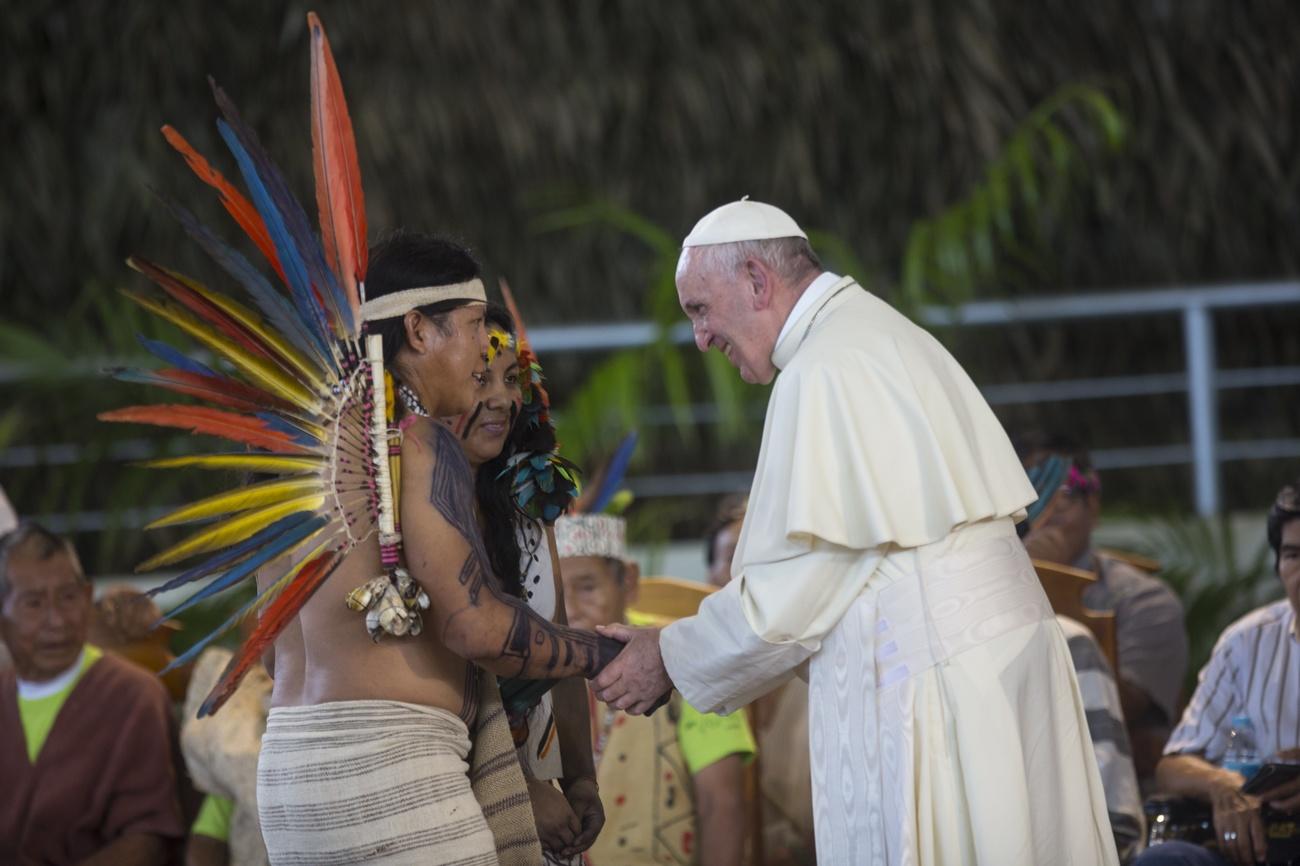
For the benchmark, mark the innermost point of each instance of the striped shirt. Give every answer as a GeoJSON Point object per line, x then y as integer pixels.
{"type": "Point", "coordinates": [1254, 671]}
{"type": "Point", "coordinates": [1109, 739]}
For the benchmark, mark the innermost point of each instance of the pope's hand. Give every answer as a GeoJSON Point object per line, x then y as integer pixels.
{"type": "Point", "coordinates": [636, 679]}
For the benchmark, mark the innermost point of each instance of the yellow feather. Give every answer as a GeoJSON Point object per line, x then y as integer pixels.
{"type": "Point", "coordinates": [265, 374]}
{"type": "Point", "coordinates": [240, 499]}
{"type": "Point", "coordinates": [268, 463]}
{"type": "Point", "coordinates": [231, 531]}
{"type": "Point", "coordinates": [311, 373]}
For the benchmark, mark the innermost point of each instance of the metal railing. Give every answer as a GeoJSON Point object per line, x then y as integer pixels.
{"type": "Point", "coordinates": [1201, 380]}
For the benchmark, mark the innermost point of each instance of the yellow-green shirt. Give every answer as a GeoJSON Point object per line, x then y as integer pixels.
{"type": "Point", "coordinates": [38, 714]}
{"type": "Point", "coordinates": [645, 769]}
{"type": "Point", "coordinates": [213, 819]}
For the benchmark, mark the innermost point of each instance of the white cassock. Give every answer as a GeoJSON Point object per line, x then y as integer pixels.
{"type": "Point", "coordinates": [945, 721]}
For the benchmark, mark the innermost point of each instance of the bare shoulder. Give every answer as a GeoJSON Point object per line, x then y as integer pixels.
{"type": "Point", "coordinates": [418, 442]}
{"type": "Point", "coordinates": [427, 443]}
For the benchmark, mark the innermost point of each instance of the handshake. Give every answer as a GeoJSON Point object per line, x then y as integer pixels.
{"type": "Point", "coordinates": [636, 680]}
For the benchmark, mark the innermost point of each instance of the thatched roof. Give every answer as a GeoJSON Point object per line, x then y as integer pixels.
{"type": "Point", "coordinates": [476, 117]}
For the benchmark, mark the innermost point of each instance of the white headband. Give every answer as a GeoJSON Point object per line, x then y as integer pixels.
{"type": "Point", "coordinates": [400, 303]}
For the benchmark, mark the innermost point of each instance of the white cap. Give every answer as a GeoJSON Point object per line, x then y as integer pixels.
{"type": "Point", "coordinates": [743, 220]}
{"type": "Point", "coordinates": [591, 535]}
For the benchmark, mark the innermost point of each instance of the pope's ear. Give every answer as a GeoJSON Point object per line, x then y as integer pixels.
{"type": "Point", "coordinates": [759, 282]}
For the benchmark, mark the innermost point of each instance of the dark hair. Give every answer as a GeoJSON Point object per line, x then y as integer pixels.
{"type": "Point", "coordinates": [1285, 508]}
{"type": "Point", "coordinates": [1038, 442]}
{"type": "Point", "coordinates": [410, 260]}
{"type": "Point", "coordinates": [730, 509]}
{"type": "Point", "coordinates": [29, 536]}
{"type": "Point", "coordinates": [496, 503]}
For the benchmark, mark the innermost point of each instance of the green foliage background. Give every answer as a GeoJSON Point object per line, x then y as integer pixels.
{"type": "Point", "coordinates": [938, 151]}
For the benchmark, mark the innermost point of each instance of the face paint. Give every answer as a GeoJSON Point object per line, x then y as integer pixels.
{"type": "Point", "coordinates": [460, 424]}
{"type": "Point", "coordinates": [468, 421]}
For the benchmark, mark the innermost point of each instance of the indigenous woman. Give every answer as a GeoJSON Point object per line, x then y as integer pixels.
{"type": "Point", "coordinates": [510, 444]}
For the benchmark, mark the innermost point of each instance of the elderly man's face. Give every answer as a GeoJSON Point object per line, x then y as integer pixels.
{"type": "Point", "coordinates": [1288, 562]}
{"type": "Point", "coordinates": [724, 316]}
{"type": "Point", "coordinates": [597, 590]}
{"type": "Point", "coordinates": [45, 616]}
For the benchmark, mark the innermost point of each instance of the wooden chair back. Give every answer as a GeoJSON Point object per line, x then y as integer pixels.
{"type": "Point", "coordinates": [1064, 585]}
{"type": "Point", "coordinates": [670, 598]}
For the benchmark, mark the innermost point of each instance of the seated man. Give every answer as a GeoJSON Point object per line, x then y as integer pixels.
{"type": "Point", "coordinates": [221, 754]}
{"type": "Point", "coordinates": [672, 783]}
{"type": "Point", "coordinates": [1252, 672]}
{"type": "Point", "coordinates": [1151, 637]}
{"type": "Point", "coordinates": [1109, 739]}
{"type": "Point", "coordinates": [723, 535]}
{"type": "Point", "coordinates": [84, 757]}
{"type": "Point", "coordinates": [782, 717]}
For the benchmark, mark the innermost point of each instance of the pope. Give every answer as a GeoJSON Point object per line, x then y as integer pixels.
{"type": "Point", "coordinates": [879, 558]}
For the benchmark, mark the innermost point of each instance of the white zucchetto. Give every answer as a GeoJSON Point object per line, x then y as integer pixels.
{"type": "Point", "coordinates": [743, 220]}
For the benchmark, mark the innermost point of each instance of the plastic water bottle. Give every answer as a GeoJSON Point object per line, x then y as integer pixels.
{"type": "Point", "coordinates": [1242, 754]}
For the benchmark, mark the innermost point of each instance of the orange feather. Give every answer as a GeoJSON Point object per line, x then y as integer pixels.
{"type": "Point", "coordinates": [214, 422]}
{"type": "Point", "coordinates": [513, 308]}
{"type": "Point", "coordinates": [338, 173]}
{"type": "Point", "coordinates": [273, 620]}
{"type": "Point", "coordinates": [239, 207]}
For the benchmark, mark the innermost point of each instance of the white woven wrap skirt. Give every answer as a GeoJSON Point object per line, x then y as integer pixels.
{"type": "Point", "coordinates": [378, 782]}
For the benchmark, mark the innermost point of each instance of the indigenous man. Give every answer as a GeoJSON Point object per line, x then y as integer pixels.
{"type": "Point", "coordinates": [880, 546]}
{"type": "Point", "coordinates": [364, 756]}
{"type": "Point", "coordinates": [86, 772]}
{"type": "Point", "coordinates": [1151, 637]}
{"type": "Point", "coordinates": [673, 784]}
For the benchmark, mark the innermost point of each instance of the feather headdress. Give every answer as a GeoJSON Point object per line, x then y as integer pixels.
{"type": "Point", "coordinates": [299, 382]}
{"type": "Point", "coordinates": [542, 482]}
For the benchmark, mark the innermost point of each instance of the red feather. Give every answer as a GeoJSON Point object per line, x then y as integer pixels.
{"type": "Point", "coordinates": [178, 287]}
{"type": "Point", "coordinates": [338, 172]}
{"type": "Point", "coordinates": [273, 620]}
{"type": "Point", "coordinates": [513, 308]}
{"type": "Point", "coordinates": [231, 199]}
{"type": "Point", "coordinates": [217, 389]}
{"type": "Point", "coordinates": [214, 422]}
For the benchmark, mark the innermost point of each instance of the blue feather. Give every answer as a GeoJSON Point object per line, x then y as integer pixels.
{"type": "Point", "coordinates": [295, 271]}
{"type": "Point", "coordinates": [270, 301]}
{"type": "Point", "coordinates": [231, 554]}
{"type": "Point", "coordinates": [193, 652]}
{"type": "Point", "coordinates": [295, 220]}
{"type": "Point", "coordinates": [173, 356]}
{"type": "Point", "coordinates": [614, 473]}
{"type": "Point", "coordinates": [284, 425]}
{"type": "Point", "coordinates": [244, 569]}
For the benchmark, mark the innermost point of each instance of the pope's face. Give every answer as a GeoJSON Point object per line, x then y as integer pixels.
{"type": "Point", "coordinates": [724, 317]}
